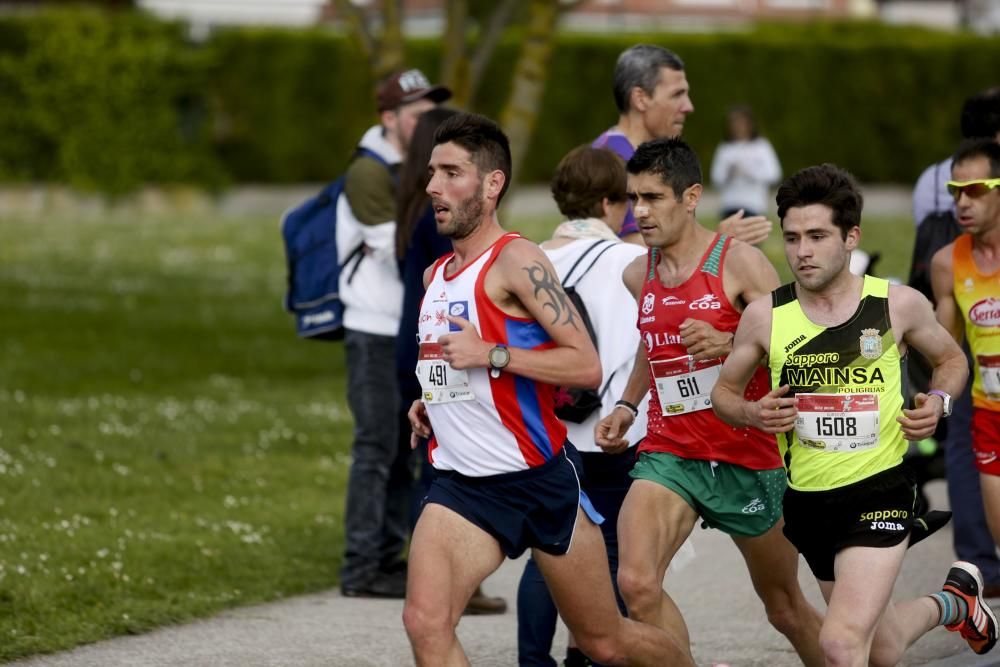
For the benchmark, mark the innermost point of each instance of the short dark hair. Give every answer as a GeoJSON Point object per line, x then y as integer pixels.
{"type": "Point", "coordinates": [671, 159]}
{"type": "Point", "coordinates": [584, 177]}
{"type": "Point", "coordinates": [828, 185]}
{"type": "Point", "coordinates": [640, 66]}
{"type": "Point", "coordinates": [488, 146]}
{"type": "Point", "coordinates": [986, 147]}
{"type": "Point", "coordinates": [981, 114]}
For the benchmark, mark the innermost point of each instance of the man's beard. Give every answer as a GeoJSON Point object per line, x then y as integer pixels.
{"type": "Point", "coordinates": [466, 216]}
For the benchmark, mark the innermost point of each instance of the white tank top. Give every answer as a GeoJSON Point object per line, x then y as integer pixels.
{"type": "Point", "coordinates": [482, 425]}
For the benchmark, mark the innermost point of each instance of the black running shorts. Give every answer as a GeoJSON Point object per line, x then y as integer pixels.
{"type": "Point", "coordinates": [875, 512]}
{"type": "Point", "coordinates": [533, 508]}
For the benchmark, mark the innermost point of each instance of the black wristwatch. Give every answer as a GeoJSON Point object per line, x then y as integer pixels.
{"type": "Point", "coordinates": [499, 357]}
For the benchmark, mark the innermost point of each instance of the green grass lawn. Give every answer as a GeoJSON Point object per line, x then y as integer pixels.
{"type": "Point", "coordinates": [168, 448]}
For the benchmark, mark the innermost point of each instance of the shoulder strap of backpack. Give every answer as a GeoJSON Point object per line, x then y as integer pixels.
{"type": "Point", "coordinates": [365, 152]}
{"type": "Point", "coordinates": [937, 185]}
{"type": "Point", "coordinates": [594, 261]}
{"type": "Point", "coordinates": [579, 259]}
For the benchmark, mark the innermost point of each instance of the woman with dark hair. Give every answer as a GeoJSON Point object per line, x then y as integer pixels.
{"type": "Point", "coordinates": [744, 166]}
{"type": "Point", "coordinates": [417, 246]}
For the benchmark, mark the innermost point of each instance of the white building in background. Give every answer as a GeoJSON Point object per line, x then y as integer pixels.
{"type": "Point", "coordinates": [425, 17]}
{"type": "Point", "coordinates": [209, 13]}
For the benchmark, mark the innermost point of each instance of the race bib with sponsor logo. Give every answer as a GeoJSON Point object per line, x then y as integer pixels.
{"type": "Point", "coordinates": [684, 385]}
{"type": "Point", "coordinates": [837, 422]}
{"type": "Point", "coordinates": [439, 382]}
{"type": "Point", "coordinates": [989, 371]}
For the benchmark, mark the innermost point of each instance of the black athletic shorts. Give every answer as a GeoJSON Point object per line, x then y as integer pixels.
{"type": "Point", "coordinates": [533, 508]}
{"type": "Point", "coordinates": [875, 512]}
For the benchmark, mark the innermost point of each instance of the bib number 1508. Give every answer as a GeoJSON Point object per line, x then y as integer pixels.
{"type": "Point", "coordinates": [836, 426]}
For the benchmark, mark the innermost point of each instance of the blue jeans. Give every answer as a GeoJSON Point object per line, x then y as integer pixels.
{"type": "Point", "coordinates": [972, 539]}
{"type": "Point", "coordinates": [376, 518]}
{"type": "Point", "coordinates": [606, 480]}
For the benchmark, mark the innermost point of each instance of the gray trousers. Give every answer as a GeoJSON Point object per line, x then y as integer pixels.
{"type": "Point", "coordinates": [376, 522]}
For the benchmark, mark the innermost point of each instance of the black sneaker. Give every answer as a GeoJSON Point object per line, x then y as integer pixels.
{"type": "Point", "coordinates": [380, 586]}
{"type": "Point", "coordinates": [979, 627]}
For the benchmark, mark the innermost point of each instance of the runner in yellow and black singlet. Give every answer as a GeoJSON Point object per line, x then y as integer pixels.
{"type": "Point", "coordinates": [848, 380]}
{"type": "Point", "coordinates": [834, 343]}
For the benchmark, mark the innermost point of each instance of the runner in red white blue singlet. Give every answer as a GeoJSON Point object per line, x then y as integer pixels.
{"type": "Point", "coordinates": [497, 334]}
{"type": "Point", "coordinates": [483, 425]}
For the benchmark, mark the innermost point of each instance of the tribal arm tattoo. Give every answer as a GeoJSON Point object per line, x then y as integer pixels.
{"type": "Point", "coordinates": [552, 295]}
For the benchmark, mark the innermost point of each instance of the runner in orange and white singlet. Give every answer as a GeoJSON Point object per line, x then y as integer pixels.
{"type": "Point", "coordinates": [966, 281]}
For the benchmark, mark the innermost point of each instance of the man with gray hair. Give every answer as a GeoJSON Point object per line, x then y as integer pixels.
{"type": "Point", "coordinates": [653, 99]}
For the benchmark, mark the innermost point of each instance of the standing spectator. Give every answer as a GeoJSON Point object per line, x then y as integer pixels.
{"type": "Point", "coordinates": [418, 244]}
{"type": "Point", "coordinates": [378, 488]}
{"type": "Point", "coordinates": [653, 99]}
{"type": "Point", "coordinates": [980, 118]}
{"type": "Point", "coordinates": [589, 188]}
{"type": "Point", "coordinates": [744, 166]}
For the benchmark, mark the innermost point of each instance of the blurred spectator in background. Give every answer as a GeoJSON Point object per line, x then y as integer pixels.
{"type": "Point", "coordinates": [418, 245]}
{"type": "Point", "coordinates": [744, 166]}
{"type": "Point", "coordinates": [376, 516]}
{"type": "Point", "coordinates": [653, 99]}
{"type": "Point", "coordinates": [980, 118]}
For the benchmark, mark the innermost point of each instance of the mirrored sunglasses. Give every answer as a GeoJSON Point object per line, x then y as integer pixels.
{"type": "Point", "coordinates": [973, 189]}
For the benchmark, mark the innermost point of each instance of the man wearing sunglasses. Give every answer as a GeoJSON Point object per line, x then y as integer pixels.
{"type": "Point", "coordinates": [934, 213]}
{"type": "Point", "coordinates": [966, 280]}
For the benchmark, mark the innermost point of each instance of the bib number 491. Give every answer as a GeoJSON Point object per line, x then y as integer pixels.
{"type": "Point", "coordinates": [438, 376]}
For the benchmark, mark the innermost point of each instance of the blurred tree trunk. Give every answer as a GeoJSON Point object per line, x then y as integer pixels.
{"type": "Point", "coordinates": [520, 114]}
{"type": "Point", "coordinates": [461, 70]}
{"type": "Point", "coordinates": [384, 51]}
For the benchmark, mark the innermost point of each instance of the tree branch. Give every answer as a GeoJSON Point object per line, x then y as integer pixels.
{"type": "Point", "coordinates": [454, 65]}
{"type": "Point", "coordinates": [355, 20]}
{"type": "Point", "coordinates": [391, 52]}
{"type": "Point", "coordinates": [490, 36]}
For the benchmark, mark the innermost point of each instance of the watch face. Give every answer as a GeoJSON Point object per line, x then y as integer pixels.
{"type": "Point", "coordinates": [499, 357]}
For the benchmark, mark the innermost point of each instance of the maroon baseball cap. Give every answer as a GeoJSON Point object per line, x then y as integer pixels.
{"type": "Point", "coordinates": [409, 86]}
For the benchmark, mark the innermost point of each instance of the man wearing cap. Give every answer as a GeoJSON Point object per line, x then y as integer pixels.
{"type": "Point", "coordinates": [378, 488]}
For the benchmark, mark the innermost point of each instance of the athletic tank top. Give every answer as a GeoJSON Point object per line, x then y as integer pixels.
{"type": "Point", "coordinates": [681, 420]}
{"type": "Point", "coordinates": [978, 297]}
{"type": "Point", "coordinates": [483, 425]}
{"type": "Point", "coordinates": [848, 381]}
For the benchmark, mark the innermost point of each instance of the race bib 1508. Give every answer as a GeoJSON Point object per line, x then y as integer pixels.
{"type": "Point", "coordinates": [837, 422]}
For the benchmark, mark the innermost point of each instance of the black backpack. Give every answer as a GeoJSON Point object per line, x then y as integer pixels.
{"type": "Point", "coordinates": [572, 403]}
{"type": "Point", "coordinates": [936, 231]}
